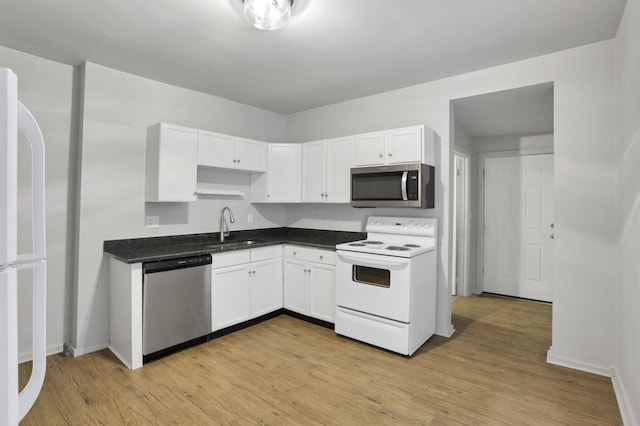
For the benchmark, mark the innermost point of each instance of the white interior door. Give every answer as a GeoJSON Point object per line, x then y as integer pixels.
{"type": "Point", "coordinates": [518, 226]}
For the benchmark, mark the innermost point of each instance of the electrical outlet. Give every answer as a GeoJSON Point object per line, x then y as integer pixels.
{"type": "Point", "coordinates": [153, 221]}
{"type": "Point", "coordinates": [249, 218]}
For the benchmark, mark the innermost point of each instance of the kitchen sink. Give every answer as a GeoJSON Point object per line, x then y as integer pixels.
{"type": "Point", "coordinates": [233, 244]}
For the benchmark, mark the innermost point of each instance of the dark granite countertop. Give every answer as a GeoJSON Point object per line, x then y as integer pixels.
{"type": "Point", "coordinates": [161, 248]}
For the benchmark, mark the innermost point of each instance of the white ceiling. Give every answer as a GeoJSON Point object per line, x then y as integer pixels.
{"type": "Point", "coordinates": [333, 50]}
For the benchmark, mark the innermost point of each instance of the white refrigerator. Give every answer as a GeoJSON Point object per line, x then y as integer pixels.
{"type": "Point", "coordinates": [14, 118]}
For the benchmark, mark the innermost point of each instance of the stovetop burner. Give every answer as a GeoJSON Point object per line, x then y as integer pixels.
{"type": "Point", "coordinates": [395, 237]}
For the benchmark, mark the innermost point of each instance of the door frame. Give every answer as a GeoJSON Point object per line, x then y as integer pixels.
{"type": "Point", "coordinates": [461, 288]}
{"type": "Point", "coordinates": [481, 157]}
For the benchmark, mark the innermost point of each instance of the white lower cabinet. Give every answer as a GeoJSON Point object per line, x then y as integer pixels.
{"type": "Point", "coordinates": [322, 291]}
{"type": "Point", "coordinates": [245, 284]}
{"type": "Point", "coordinates": [295, 286]}
{"type": "Point", "coordinates": [230, 295]}
{"type": "Point", "coordinates": [309, 282]}
{"type": "Point", "coordinates": [266, 286]}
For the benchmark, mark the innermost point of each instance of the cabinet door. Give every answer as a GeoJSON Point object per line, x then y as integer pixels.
{"type": "Point", "coordinates": [369, 149]}
{"type": "Point", "coordinates": [283, 173]}
{"type": "Point", "coordinates": [216, 150]}
{"type": "Point", "coordinates": [295, 285]}
{"type": "Point", "coordinates": [322, 291]}
{"type": "Point", "coordinates": [266, 286]}
{"type": "Point", "coordinates": [338, 170]}
{"type": "Point", "coordinates": [313, 172]}
{"type": "Point", "coordinates": [404, 145]}
{"type": "Point", "coordinates": [230, 296]}
{"type": "Point", "coordinates": [251, 155]}
{"type": "Point", "coordinates": [171, 163]}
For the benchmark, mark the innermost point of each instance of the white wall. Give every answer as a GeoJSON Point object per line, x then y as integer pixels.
{"type": "Point", "coordinates": [45, 87]}
{"type": "Point", "coordinates": [583, 315]}
{"type": "Point", "coordinates": [627, 374]}
{"type": "Point", "coordinates": [117, 109]}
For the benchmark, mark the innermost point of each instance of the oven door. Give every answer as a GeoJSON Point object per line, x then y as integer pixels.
{"type": "Point", "coordinates": [374, 284]}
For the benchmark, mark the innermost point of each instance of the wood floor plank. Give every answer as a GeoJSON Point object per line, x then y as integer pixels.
{"type": "Point", "coordinates": [289, 372]}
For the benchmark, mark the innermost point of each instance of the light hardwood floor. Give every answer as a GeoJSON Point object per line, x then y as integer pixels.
{"type": "Point", "coordinates": [286, 371]}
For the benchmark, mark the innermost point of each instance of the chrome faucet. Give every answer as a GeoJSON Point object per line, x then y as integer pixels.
{"type": "Point", "coordinates": [224, 227]}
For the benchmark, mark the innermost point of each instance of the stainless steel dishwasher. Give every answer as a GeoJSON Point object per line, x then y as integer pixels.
{"type": "Point", "coordinates": [176, 304]}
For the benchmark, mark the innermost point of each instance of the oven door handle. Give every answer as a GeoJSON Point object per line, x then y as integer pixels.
{"type": "Point", "coordinates": [373, 261]}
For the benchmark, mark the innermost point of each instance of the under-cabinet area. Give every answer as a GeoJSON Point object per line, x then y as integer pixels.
{"type": "Point", "coordinates": [247, 284]}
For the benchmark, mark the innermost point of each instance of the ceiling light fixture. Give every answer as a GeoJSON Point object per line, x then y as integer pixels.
{"type": "Point", "coordinates": [267, 14]}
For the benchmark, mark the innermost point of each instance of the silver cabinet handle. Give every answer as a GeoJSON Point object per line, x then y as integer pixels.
{"type": "Point", "coordinates": [321, 257]}
{"type": "Point", "coordinates": [390, 155]}
{"type": "Point", "coordinates": [553, 236]}
{"type": "Point", "coordinates": [380, 155]}
{"type": "Point", "coordinates": [552, 225]}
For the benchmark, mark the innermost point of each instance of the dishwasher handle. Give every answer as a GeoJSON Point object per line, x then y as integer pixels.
{"type": "Point", "coordinates": [172, 264]}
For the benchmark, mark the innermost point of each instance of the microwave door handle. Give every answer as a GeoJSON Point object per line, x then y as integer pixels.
{"type": "Point", "coordinates": [404, 185]}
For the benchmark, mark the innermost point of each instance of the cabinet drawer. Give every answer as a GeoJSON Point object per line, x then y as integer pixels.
{"type": "Point", "coordinates": [264, 253]}
{"type": "Point", "coordinates": [229, 259]}
{"type": "Point", "coordinates": [296, 252]}
{"type": "Point", "coordinates": [322, 256]}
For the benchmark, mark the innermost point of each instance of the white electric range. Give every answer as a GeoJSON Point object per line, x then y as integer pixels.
{"type": "Point", "coordinates": [386, 284]}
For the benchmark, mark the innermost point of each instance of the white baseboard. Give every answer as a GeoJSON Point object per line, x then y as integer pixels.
{"type": "Point", "coordinates": [28, 356]}
{"type": "Point", "coordinates": [576, 365]}
{"type": "Point", "coordinates": [629, 418]}
{"type": "Point", "coordinates": [448, 332]}
{"type": "Point", "coordinates": [79, 351]}
{"type": "Point", "coordinates": [122, 359]}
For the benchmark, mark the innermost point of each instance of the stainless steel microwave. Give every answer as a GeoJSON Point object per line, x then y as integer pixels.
{"type": "Point", "coordinates": [402, 185]}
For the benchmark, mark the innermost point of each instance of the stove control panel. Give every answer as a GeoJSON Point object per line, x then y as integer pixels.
{"type": "Point", "coordinates": [402, 225]}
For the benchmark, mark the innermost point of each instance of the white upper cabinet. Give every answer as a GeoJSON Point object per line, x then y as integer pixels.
{"type": "Point", "coordinates": [216, 150]}
{"type": "Point", "coordinates": [413, 144]}
{"type": "Point", "coordinates": [314, 170]}
{"type": "Point", "coordinates": [404, 145]}
{"type": "Point", "coordinates": [229, 152]}
{"type": "Point", "coordinates": [369, 149]}
{"type": "Point", "coordinates": [251, 155]}
{"type": "Point", "coordinates": [171, 163]}
{"type": "Point", "coordinates": [326, 169]}
{"type": "Point", "coordinates": [339, 161]}
{"type": "Point", "coordinates": [281, 182]}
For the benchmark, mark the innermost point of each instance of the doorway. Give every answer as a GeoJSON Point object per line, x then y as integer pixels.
{"type": "Point", "coordinates": [512, 122]}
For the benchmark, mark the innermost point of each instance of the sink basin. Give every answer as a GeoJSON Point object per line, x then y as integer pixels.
{"type": "Point", "coordinates": [233, 244]}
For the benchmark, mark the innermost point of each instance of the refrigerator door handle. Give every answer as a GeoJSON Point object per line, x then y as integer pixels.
{"type": "Point", "coordinates": [29, 127]}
